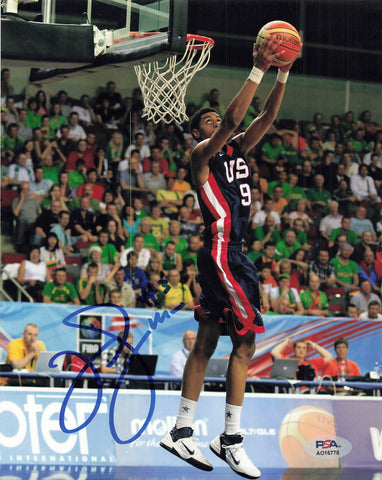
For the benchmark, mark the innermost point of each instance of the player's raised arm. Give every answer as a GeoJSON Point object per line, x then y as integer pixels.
{"type": "Point", "coordinates": [261, 124]}
{"type": "Point", "coordinates": [212, 132]}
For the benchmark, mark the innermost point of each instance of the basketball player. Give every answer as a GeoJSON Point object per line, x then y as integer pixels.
{"type": "Point", "coordinates": [228, 279]}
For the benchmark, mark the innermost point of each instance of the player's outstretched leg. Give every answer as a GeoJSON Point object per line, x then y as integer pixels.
{"type": "Point", "coordinates": [181, 443]}
{"type": "Point", "coordinates": [230, 449]}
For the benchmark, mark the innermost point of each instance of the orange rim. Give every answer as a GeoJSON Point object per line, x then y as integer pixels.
{"type": "Point", "coordinates": [200, 41]}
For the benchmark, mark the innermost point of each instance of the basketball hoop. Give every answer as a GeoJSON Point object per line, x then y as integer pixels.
{"type": "Point", "coordinates": [164, 84]}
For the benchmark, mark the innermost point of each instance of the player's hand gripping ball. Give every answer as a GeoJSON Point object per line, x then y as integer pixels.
{"type": "Point", "coordinates": [290, 40]}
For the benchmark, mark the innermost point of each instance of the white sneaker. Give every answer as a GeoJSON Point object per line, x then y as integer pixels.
{"type": "Point", "coordinates": [230, 449]}
{"type": "Point", "coordinates": [181, 443]}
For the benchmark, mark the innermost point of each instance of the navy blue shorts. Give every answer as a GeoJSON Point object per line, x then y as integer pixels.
{"type": "Point", "coordinates": [229, 280]}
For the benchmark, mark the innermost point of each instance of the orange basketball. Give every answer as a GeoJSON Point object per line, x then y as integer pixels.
{"type": "Point", "coordinates": [290, 40]}
{"type": "Point", "coordinates": [298, 427]}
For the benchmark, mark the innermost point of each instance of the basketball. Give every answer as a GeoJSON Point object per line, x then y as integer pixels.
{"type": "Point", "coordinates": [298, 427]}
{"type": "Point", "coordinates": [290, 40]}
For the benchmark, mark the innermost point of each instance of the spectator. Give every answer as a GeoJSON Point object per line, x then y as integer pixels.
{"type": "Point", "coordinates": [114, 151]}
{"type": "Point", "coordinates": [104, 271]}
{"type": "Point", "coordinates": [372, 312]}
{"type": "Point", "coordinates": [360, 223]}
{"type": "Point", "coordinates": [345, 270]}
{"type": "Point", "coordinates": [363, 186]}
{"type": "Point", "coordinates": [174, 236]}
{"type": "Point", "coordinates": [296, 193]}
{"type": "Point", "coordinates": [45, 221]}
{"type": "Point", "coordinates": [26, 210]}
{"type": "Point", "coordinates": [115, 238]}
{"type": "Point", "coordinates": [301, 237]}
{"type": "Point", "coordinates": [343, 195]}
{"type": "Point", "coordinates": [24, 132]}
{"type": "Point", "coordinates": [279, 203]}
{"type": "Point", "coordinates": [51, 253]}
{"type": "Point", "coordinates": [341, 367]}
{"type": "Point", "coordinates": [300, 350]}
{"type": "Point", "coordinates": [188, 276]}
{"type": "Point", "coordinates": [300, 214]}
{"type": "Point", "coordinates": [306, 176]}
{"type": "Point", "coordinates": [271, 150]}
{"type": "Point", "coordinates": [170, 259]}
{"type": "Point", "coordinates": [345, 229]}
{"type": "Point", "coordinates": [149, 241]}
{"type": "Point", "coordinates": [111, 95]}
{"type": "Point", "coordinates": [40, 187]}
{"type": "Point", "coordinates": [362, 298]}
{"type": "Point", "coordinates": [177, 294]}
{"type": "Point", "coordinates": [56, 119]}
{"type": "Point", "coordinates": [156, 156]}
{"type": "Point", "coordinates": [63, 232]}
{"type": "Point", "coordinates": [366, 243]}
{"type": "Point", "coordinates": [130, 223]}
{"type": "Point", "coordinates": [212, 101]}
{"type": "Point", "coordinates": [11, 143]}
{"type": "Point", "coordinates": [188, 228]}
{"type": "Point", "coordinates": [168, 199]}
{"type": "Point", "coordinates": [18, 172]}
{"type": "Point", "coordinates": [86, 115]}
{"type": "Point", "coordinates": [90, 290]}
{"type": "Point", "coordinates": [286, 247]}
{"type": "Point", "coordinates": [64, 143]}
{"type": "Point", "coordinates": [318, 196]}
{"type": "Point", "coordinates": [76, 132]}
{"type": "Point", "coordinates": [109, 252]}
{"type": "Point", "coordinates": [371, 269]}
{"type": "Point", "coordinates": [139, 144]}
{"type": "Point", "coordinates": [178, 360]}
{"type": "Point", "coordinates": [92, 179]}
{"type": "Point", "coordinates": [111, 355]}
{"type": "Point", "coordinates": [375, 172]}
{"type": "Point", "coordinates": [325, 270]}
{"type": "Point", "coordinates": [33, 274]}
{"type": "Point", "coordinates": [154, 180]}
{"type": "Point", "coordinates": [23, 352]}
{"type": "Point", "coordinates": [116, 283]}
{"type": "Point", "coordinates": [315, 301]}
{"type": "Point", "coordinates": [159, 225]}
{"type": "Point", "coordinates": [331, 221]}
{"type": "Point", "coordinates": [77, 177]}
{"type": "Point", "coordinates": [191, 252]}
{"type": "Point", "coordinates": [268, 257]}
{"type": "Point", "coordinates": [285, 291]}
{"type": "Point", "coordinates": [82, 222]}
{"type": "Point", "coordinates": [80, 152]}
{"type": "Point", "coordinates": [129, 175]}
{"type": "Point", "coordinates": [138, 248]}
{"type": "Point", "coordinates": [134, 275]}
{"type": "Point", "coordinates": [181, 185]}
{"type": "Point", "coordinates": [59, 290]}
{"type": "Point", "coordinates": [352, 311]}
{"type": "Point", "coordinates": [259, 218]}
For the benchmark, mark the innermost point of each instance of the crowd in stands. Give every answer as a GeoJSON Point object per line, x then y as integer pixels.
{"type": "Point", "coordinates": [97, 182]}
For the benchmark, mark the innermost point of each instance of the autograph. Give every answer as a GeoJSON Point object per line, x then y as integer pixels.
{"type": "Point", "coordinates": [150, 300]}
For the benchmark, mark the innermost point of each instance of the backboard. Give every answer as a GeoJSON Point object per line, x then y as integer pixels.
{"type": "Point", "coordinates": [66, 38]}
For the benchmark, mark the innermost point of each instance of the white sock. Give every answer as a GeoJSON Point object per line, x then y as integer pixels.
{"type": "Point", "coordinates": [232, 419]}
{"type": "Point", "coordinates": [186, 413]}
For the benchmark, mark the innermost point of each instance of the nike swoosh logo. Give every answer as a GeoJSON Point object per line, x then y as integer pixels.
{"type": "Point", "coordinates": [191, 452]}
{"type": "Point", "coordinates": [237, 462]}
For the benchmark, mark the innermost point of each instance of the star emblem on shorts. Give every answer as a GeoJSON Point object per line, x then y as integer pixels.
{"type": "Point", "coordinates": [228, 414]}
{"type": "Point", "coordinates": [186, 409]}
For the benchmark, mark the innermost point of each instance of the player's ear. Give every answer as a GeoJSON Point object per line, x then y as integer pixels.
{"type": "Point", "coordinates": [195, 133]}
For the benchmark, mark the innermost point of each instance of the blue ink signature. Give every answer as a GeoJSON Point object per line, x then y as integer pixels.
{"type": "Point", "coordinates": [88, 363]}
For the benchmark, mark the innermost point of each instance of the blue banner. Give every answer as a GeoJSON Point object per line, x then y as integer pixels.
{"type": "Point", "coordinates": [161, 332]}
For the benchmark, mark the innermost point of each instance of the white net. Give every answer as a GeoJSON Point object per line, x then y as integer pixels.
{"type": "Point", "coordinates": [164, 84]}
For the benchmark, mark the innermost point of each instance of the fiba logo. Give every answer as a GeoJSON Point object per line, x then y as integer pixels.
{"type": "Point", "coordinates": [303, 425]}
{"type": "Point", "coordinates": [93, 326]}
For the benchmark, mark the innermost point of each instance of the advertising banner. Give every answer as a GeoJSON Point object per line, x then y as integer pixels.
{"type": "Point", "coordinates": [160, 332]}
{"type": "Point", "coordinates": [110, 428]}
